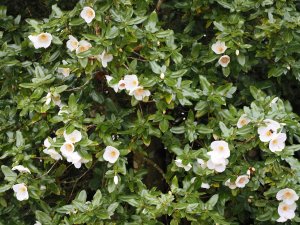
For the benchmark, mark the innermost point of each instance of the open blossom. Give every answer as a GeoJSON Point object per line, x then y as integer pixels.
{"type": "Point", "coordinates": [140, 93]}
{"type": "Point", "coordinates": [114, 86]}
{"type": "Point", "coordinates": [243, 121]}
{"type": "Point", "coordinates": [67, 149]}
{"type": "Point", "coordinates": [88, 14]}
{"type": "Point", "coordinates": [205, 185]}
{"type": "Point", "coordinates": [230, 184]}
{"type": "Point", "coordinates": [131, 82]}
{"type": "Point", "coordinates": [202, 163]}
{"type": "Point", "coordinates": [21, 169]}
{"type": "Point", "coordinates": [105, 58]}
{"type": "Point", "coordinates": [73, 137]}
{"type": "Point", "coordinates": [21, 191]}
{"type": "Point", "coordinates": [268, 130]}
{"type": "Point", "coordinates": [111, 154]}
{"type": "Point", "coordinates": [224, 60]}
{"type": "Point", "coordinates": [287, 195]}
{"type": "Point", "coordinates": [121, 85]}
{"type": "Point", "coordinates": [83, 46]}
{"type": "Point", "coordinates": [220, 151]}
{"type": "Point", "coordinates": [286, 211]}
{"type": "Point", "coordinates": [53, 154]}
{"type": "Point", "coordinates": [178, 162]}
{"type": "Point", "coordinates": [72, 43]}
{"type": "Point", "coordinates": [277, 143]}
{"type": "Point", "coordinates": [76, 159]}
{"type": "Point", "coordinates": [218, 167]}
{"type": "Point", "coordinates": [42, 40]}
{"type": "Point", "coordinates": [219, 47]}
{"type": "Point", "coordinates": [241, 181]}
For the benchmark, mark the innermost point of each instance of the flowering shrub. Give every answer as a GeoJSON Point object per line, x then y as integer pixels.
{"type": "Point", "coordinates": [151, 112]}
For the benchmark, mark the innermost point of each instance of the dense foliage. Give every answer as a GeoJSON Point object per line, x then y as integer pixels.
{"type": "Point", "coordinates": [150, 112]}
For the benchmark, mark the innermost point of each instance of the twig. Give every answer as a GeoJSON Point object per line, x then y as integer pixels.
{"type": "Point", "coordinates": [158, 5]}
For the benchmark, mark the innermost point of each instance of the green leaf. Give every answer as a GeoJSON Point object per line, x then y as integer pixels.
{"type": "Point", "coordinates": [43, 217]}
{"type": "Point", "coordinates": [212, 202]}
{"type": "Point", "coordinates": [164, 125]}
{"type": "Point", "coordinates": [8, 173]}
{"type": "Point", "coordinates": [19, 139]}
{"type": "Point", "coordinates": [241, 59]}
{"type": "Point", "coordinates": [97, 199]}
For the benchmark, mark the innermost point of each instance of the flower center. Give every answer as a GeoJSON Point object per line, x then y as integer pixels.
{"type": "Point", "coordinates": [134, 82]}
{"type": "Point", "coordinates": [23, 189]}
{"type": "Point", "coordinates": [43, 37]}
{"type": "Point", "coordinates": [69, 147]}
{"type": "Point", "coordinates": [139, 91]}
{"type": "Point", "coordinates": [287, 194]}
{"type": "Point", "coordinates": [220, 49]}
{"type": "Point", "coordinates": [275, 142]}
{"type": "Point", "coordinates": [74, 44]}
{"type": "Point", "coordinates": [113, 154]}
{"type": "Point", "coordinates": [242, 180]}
{"type": "Point", "coordinates": [285, 208]}
{"type": "Point", "coordinates": [89, 13]}
{"type": "Point", "coordinates": [243, 122]}
{"type": "Point", "coordinates": [269, 132]}
{"type": "Point", "coordinates": [221, 148]}
{"type": "Point", "coordinates": [224, 60]}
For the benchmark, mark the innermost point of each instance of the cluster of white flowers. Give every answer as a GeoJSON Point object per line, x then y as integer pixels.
{"type": "Point", "coordinates": [269, 133]}
{"type": "Point", "coordinates": [130, 83]}
{"type": "Point", "coordinates": [218, 156]}
{"type": "Point", "coordinates": [219, 48]}
{"type": "Point", "coordinates": [287, 207]}
{"type": "Point", "coordinates": [68, 148]}
{"type": "Point", "coordinates": [240, 182]}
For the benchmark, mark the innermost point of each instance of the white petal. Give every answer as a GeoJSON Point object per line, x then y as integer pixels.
{"type": "Point", "coordinates": [88, 14]}
{"type": "Point", "coordinates": [116, 180]}
{"type": "Point", "coordinates": [73, 137]}
{"type": "Point", "coordinates": [224, 60]}
{"type": "Point", "coordinates": [111, 154]}
{"type": "Point", "coordinates": [67, 149]}
{"type": "Point", "coordinates": [219, 47]}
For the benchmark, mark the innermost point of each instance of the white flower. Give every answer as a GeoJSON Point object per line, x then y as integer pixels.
{"type": "Point", "coordinates": [286, 211]}
{"type": "Point", "coordinates": [21, 191]}
{"type": "Point", "coordinates": [162, 76]}
{"type": "Point", "coordinates": [121, 85]}
{"type": "Point", "coordinates": [281, 220]}
{"type": "Point", "coordinates": [114, 86]}
{"type": "Point", "coordinates": [220, 151]}
{"type": "Point", "coordinates": [111, 154]}
{"type": "Point", "coordinates": [230, 184]}
{"type": "Point", "coordinates": [274, 100]}
{"type": "Point", "coordinates": [47, 143]}
{"type": "Point", "coordinates": [178, 162]}
{"type": "Point", "coordinates": [237, 52]}
{"type": "Point", "coordinates": [37, 223]}
{"type": "Point", "coordinates": [21, 169]}
{"type": "Point", "coordinates": [88, 14]}
{"type": "Point", "coordinates": [268, 131]}
{"type": "Point", "coordinates": [205, 185]}
{"type": "Point", "coordinates": [243, 121]}
{"type": "Point", "coordinates": [53, 154]}
{"type": "Point", "coordinates": [104, 58]}
{"type": "Point", "coordinates": [56, 99]}
{"type": "Point", "coordinates": [67, 149]}
{"type": "Point", "coordinates": [287, 195]}
{"type": "Point", "coordinates": [277, 143]}
{"type": "Point", "coordinates": [64, 71]}
{"type": "Point", "coordinates": [83, 46]}
{"type": "Point", "coordinates": [202, 163]}
{"type": "Point", "coordinates": [224, 60]}
{"type": "Point", "coordinates": [116, 180]}
{"type": "Point", "coordinates": [48, 98]}
{"type": "Point", "coordinates": [218, 167]}
{"type": "Point", "coordinates": [72, 43]}
{"type": "Point", "coordinates": [42, 40]}
{"type": "Point", "coordinates": [219, 47]}
{"type": "Point", "coordinates": [241, 181]}
{"type": "Point", "coordinates": [131, 82]}
{"type": "Point", "coordinates": [73, 137]}
{"type": "Point", "coordinates": [139, 93]}
{"type": "Point", "coordinates": [76, 159]}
